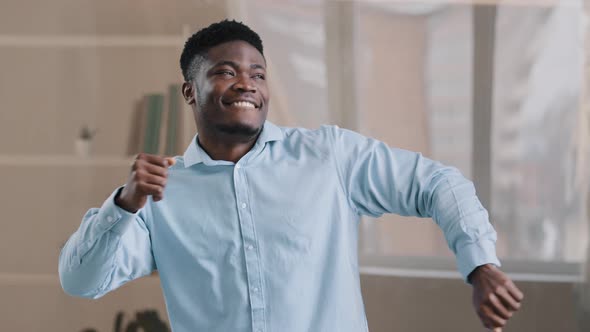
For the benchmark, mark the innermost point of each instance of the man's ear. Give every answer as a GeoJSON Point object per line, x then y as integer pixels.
{"type": "Point", "coordinates": [188, 92]}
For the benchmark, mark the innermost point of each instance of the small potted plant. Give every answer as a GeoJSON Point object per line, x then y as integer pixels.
{"type": "Point", "coordinates": [83, 144]}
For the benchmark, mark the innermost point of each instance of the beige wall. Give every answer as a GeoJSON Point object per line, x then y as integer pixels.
{"type": "Point", "coordinates": [426, 305]}
{"type": "Point", "coordinates": [151, 17]}
{"type": "Point", "coordinates": [42, 207]}
{"type": "Point", "coordinates": [31, 305]}
{"type": "Point", "coordinates": [47, 93]}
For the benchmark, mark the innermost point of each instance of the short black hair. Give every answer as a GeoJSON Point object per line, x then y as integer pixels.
{"type": "Point", "coordinates": [198, 44]}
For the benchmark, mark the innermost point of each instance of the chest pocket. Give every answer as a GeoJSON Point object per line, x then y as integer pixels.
{"type": "Point", "coordinates": [292, 212]}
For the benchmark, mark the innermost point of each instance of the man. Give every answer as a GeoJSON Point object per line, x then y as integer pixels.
{"type": "Point", "coordinates": [255, 227]}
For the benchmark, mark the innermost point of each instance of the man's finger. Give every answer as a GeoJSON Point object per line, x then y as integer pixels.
{"type": "Point", "coordinates": [497, 320]}
{"type": "Point", "coordinates": [497, 329]}
{"type": "Point", "coordinates": [155, 169]}
{"type": "Point", "coordinates": [154, 179]}
{"type": "Point", "coordinates": [150, 189]}
{"type": "Point", "coordinates": [171, 161]}
{"type": "Point", "coordinates": [156, 160]}
{"type": "Point", "coordinates": [498, 307]}
{"type": "Point", "coordinates": [490, 318]}
{"type": "Point", "coordinates": [514, 291]}
{"type": "Point", "coordinates": [507, 299]}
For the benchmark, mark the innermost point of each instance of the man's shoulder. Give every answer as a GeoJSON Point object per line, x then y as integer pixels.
{"type": "Point", "coordinates": [299, 141]}
{"type": "Point", "coordinates": [324, 133]}
{"type": "Point", "coordinates": [328, 135]}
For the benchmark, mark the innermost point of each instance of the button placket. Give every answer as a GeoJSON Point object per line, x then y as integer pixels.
{"type": "Point", "coordinates": [253, 272]}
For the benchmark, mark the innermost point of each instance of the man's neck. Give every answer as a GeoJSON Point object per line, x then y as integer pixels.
{"type": "Point", "coordinates": [226, 148]}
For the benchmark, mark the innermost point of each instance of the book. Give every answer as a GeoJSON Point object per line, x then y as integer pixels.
{"type": "Point", "coordinates": [154, 109]}
{"type": "Point", "coordinates": [173, 120]}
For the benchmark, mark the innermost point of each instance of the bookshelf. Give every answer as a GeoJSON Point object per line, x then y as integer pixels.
{"type": "Point", "coordinates": [91, 51]}
{"type": "Point", "coordinates": [74, 65]}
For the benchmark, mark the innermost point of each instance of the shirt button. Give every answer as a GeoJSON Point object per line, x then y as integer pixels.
{"type": "Point", "coordinates": [250, 247]}
{"type": "Point", "coordinates": [243, 205]}
{"type": "Point", "coordinates": [255, 289]}
{"type": "Point", "coordinates": [238, 166]}
{"type": "Point", "coordinates": [110, 219]}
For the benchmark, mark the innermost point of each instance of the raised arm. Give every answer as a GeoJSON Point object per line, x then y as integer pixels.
{"type": "Point", "coordinates": [112, 244]}
{"type": "Point", "coordinates": [379, 179]}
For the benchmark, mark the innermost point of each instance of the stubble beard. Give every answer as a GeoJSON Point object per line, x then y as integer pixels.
{"type": "Point", "coordinates": [237, 129]}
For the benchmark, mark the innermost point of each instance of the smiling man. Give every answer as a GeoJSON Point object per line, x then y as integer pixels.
{"type": "Point", "coordinates": [255, 228]}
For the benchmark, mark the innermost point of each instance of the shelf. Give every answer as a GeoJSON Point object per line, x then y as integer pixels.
{"type": "Point", "coordinates": [174, 41]}
{"type": "Point", "coordinates": [65, 161]}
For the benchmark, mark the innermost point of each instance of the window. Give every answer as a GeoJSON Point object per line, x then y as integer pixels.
{"type": "Point", "coordinates": [419, 82]}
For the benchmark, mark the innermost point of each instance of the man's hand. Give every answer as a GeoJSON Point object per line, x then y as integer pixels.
{"type": "Point", "coordinates": [148, 177]}
{"type": "Point", "coordinates": [495, 297]}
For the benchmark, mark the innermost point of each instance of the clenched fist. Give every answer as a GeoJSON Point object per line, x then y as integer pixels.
{"type": "Point", "coordinates": [495, 297]}
{"type": "Point", "coordinates": [148, 177]}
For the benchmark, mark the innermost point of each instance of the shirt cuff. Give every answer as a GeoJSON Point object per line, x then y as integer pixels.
{"type": "Point", "coordinates": [112, 217]}
{"type": "Point", "coordinates": [476, 254]}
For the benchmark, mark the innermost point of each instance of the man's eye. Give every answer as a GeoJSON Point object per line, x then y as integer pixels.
{"type": "Point", "coordinates": [259, 76]}
{"type": "Point", "coordinates": [225, 73]}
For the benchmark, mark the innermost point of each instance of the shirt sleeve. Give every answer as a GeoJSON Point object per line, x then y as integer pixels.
{"type": "Point", "coordinates": [378, 179]}
{"type": "Point", "coordinates": [111, 247]}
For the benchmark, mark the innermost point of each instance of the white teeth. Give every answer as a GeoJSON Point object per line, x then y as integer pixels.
{"type": "Point", "coordinates": [246, 104]}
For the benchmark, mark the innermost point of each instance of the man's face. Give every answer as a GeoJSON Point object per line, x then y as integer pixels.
{"type": "Point", "coordinates": [231, 92]}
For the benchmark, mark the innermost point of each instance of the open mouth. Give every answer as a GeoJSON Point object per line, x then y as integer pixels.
{"type": "Point", "coordinates": [242, 104]}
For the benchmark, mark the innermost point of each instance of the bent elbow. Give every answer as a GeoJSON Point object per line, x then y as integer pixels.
{"type": "Point", "coordinates": [76, 283]}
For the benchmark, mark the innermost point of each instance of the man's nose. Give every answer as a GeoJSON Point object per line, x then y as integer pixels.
{"type": "Point", "coordinates": [244, 84]}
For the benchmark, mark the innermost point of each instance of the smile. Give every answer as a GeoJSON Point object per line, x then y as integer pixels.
{"type": "Point", "coordinates": [243, 104]}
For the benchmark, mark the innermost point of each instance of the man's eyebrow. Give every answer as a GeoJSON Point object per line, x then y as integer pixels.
{"type": "Point", "coordinates": [235, 65]}
{"type": "Point", "coordinates": [257, 66]}
{"type": "Point", "coordinates": [226, 63]}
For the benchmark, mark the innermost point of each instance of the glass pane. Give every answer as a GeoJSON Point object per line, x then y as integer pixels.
{"type": "Point", "coordinates": [293, 33]}
{"type": "Point", "coordinates": [415, 69]}
{"type": "Point", "coordinates": [538, 194]}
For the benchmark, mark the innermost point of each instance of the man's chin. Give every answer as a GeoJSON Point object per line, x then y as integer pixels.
{"type": "Point", "coordinates": [239, 129]}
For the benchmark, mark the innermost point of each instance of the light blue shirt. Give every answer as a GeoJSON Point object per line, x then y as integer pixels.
{"type": "Point", "coordinates": [270, 243]}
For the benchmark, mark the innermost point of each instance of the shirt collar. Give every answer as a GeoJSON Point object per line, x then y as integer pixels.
{"type": "Point", "coordinates": [194, 154]}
